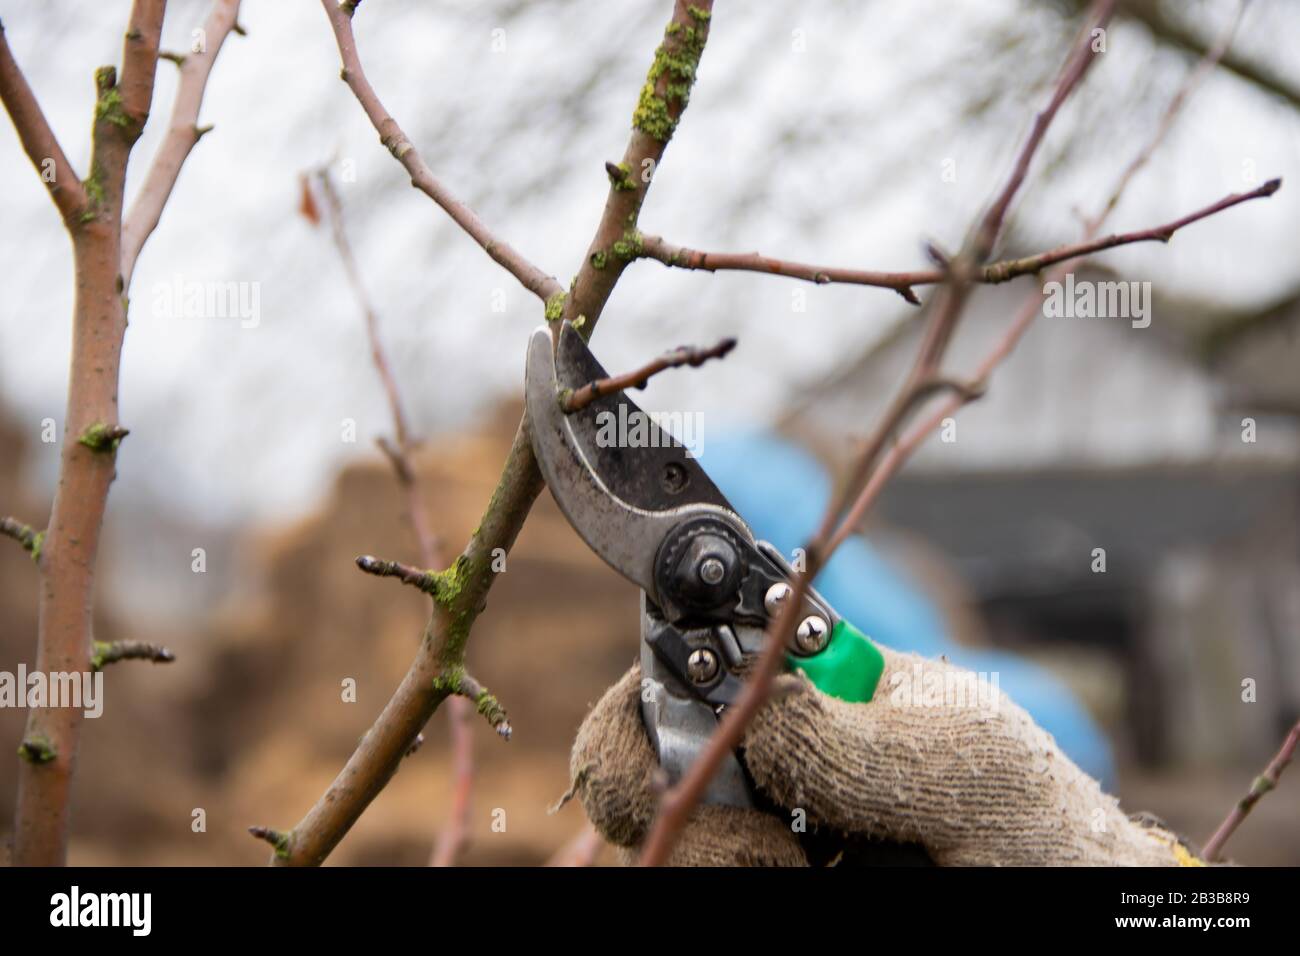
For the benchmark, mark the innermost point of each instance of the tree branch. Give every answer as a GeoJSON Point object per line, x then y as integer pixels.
{"type": "Point", "coordinates": [422, 178]}
{"type": "Point", "coordinates": [462, 685]}
{"type": "Point", "coordinates": [183, 134]}
{"type": "Point", "coordinates": [38, 139]}
{"type": "Point", "coordinates": [67, 554]}
{"type": "Point", "coordinates": [24, 534]}
{"type": "Point", "coordinates": [582, 850]}
{"type": "Point", "coordinates": [87, 466]}
{"type": "Point", "coordinates": [576, 399]}
{"type": "Point", "coordinates": [654, 247]}
{"type": "Point", "coordinates": [373, 763]}
{"type": "Point", "coordinates": [111, 652]}
{"type": "Point", "coordinates": [1151, 14]}
{"type": "Point", "coordinates": [426, 581]}
{"type": "Point", "coordinates": [1261, 785]}
{"type": "Point", "coordinates": [452, 838]}
{"type": "Point", "coordinates": [663, 98]}
{"type": "Point", "coordinates": [681, 799]}
{"type": "Point", "coordinates": [1033, 305]}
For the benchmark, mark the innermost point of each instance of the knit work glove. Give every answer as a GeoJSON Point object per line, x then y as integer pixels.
{"type": "Point", "coordinates": [936, 758]}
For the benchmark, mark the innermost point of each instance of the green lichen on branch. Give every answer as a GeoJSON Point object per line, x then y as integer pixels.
{"type": "Point", "coordinates": [555, 307]}
{"type": "Point", "coordinates": [448, 682]}
{"type": "Point", "coordinates": [27, 537]}
{"type": "Point", "coordinates": [109, 108]}
{"type": "Point", "coordinates": [493, 712]}
{"type": "Point", "coordinates": [102, 438]}
{"type": "Point", "coordinates": [454, 680]}
{"type": "Point", "coordinates": [110, 652]}
{"type": "Point", "coordinates": [37, 750]}
{"type": "Point", "coordinates": [599, 259]}
{"type": "Point", "coordinates": [94, 189]}
{"type": "Point", "coordinates": [630, 247]}
{"type": "Point", "coordinates": [620, 177]}
{"type": "Point", "coordinates": [108, 101]}
{"type": "Point", "coordinates": [667, 87]}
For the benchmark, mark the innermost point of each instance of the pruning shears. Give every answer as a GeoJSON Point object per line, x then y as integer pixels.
{"type": "Point", "coordinates": [708, 588]}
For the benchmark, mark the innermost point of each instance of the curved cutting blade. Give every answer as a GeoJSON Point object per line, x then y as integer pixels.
{"type": "Point", "coordinates": [620, 480]}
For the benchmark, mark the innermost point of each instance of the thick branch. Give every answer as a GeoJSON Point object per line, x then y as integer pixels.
{"type": "Point", "coordinates": [39, 141]}
{"type": "Point", "coordinates": [371, 766]}
{"type": "Point", "coordinates": [390, 134]}
{"type": "Point", "coordinates": [662, 99]}
{"type": "Point", "coordinates": [684, 355]}
{"type": "Point", "coordinates": [462, 595]}
{"type": "Point", "coordinates": [183, 133]}
{"type": "Point", "coordinates": [88, 465]}
{"type": "Point", "coordinates": [1261, 785]}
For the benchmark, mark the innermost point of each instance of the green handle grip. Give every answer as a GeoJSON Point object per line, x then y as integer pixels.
{"type": "Point", "coordinates": [848, 667]}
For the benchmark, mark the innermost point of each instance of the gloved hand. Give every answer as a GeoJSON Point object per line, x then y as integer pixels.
{"type": "Point", "coordinates": [974, 781]}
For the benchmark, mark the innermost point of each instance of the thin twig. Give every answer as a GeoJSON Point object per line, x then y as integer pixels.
{"type": "Point", "coordinates": [1033, 306]}
{"type": "Point", "coordinates": [681, 799]}
{"type": "Point", "coordinates": [580, 398]}
{"type": "Point", "coordinates": [110, 652]}
{"type": "Point", "coordinates": [400, 450]}
{"type": "Point", "coordinates": [426, 581]}
{"type": "Point", "coordinates": [582, 850]}
{"type": "Point", "coordinates": [452, 839]}
{"type": "Point", "coordinates": [280, 842]}
{"type": "Point", "coordinates": [183, 133]}
{"type": "Point", "coordinates": [680, 257]}
{"type": "Point", "coordinates": [463, 685]}
{"type": "Point", "coordinates": [24, 534]}
{"type": "Point", "coordinates": [657, 248]}
{"type": "Point", "coordinates": [1261, 785]}
{"type": "Point", "coordinates": [422, 178]}
{"type": "Point", "coordinates": [38, 139]}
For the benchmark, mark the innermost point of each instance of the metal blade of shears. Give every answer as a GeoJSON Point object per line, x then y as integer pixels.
{"type": "Point", "coordinates": [622, 498]}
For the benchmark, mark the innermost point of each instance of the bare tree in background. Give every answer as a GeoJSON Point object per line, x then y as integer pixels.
{"type": "Point", "coordinates": [106, 241]}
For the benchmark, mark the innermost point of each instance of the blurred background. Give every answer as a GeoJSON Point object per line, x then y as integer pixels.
{"type": "Point", "coordinates": [841, 133]}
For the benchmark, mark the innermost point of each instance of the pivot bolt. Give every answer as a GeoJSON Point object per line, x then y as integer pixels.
{"type": "Point", "coordinates": [702, 665]}
{"type": "Point", "coordinates": [712, 571]}
{"type": "Point", "coordinates": [813, 635]}
{"type": "Point", "coordinates": [776, 595]}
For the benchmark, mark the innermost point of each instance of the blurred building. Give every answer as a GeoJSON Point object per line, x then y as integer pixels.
{"type": "Point", "coordinates": [1169, 452]}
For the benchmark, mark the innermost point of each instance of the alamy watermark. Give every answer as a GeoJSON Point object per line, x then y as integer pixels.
{"type": "Point", "coordinates": [945, 687]}
{"type": "Point", "coordinates": [82, 691]}
{"type": "Point", "coordinates": [191, 299]}
{"type": "Point", "coordinates": [638, 429]}
{"type": "Point", "coordinates": [1098, 300]}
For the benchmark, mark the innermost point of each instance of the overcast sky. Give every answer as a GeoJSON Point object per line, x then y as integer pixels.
{"type": "Point", "coordinates": [817, 133]}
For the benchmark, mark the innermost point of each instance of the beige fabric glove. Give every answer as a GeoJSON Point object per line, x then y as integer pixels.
{"type": "Point", "coordinates": [975, 781]}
